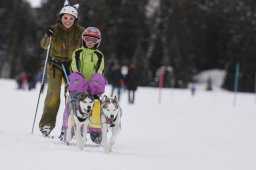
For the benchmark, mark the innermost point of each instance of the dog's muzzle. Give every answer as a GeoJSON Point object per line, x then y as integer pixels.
{"type": "Point", "coordinates": [111, 120]}
{"type": "Point", "coordinates": [88, 110]}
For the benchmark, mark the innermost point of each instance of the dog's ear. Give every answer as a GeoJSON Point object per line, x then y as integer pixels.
{"type": "Point", "coordinates": [81, 96]}
{"type": "Point", "coordinates": [115, 98]}
{"type": "Point", "coordinates": [91, 96]}
{"type": "Point", "coordinates": [104, 98]}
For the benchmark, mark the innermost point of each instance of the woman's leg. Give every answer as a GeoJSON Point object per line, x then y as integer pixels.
{"type": "Point", "coordinates": [52, 100]}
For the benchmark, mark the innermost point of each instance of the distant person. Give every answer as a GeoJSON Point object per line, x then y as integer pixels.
{"type": "Point", "coordinates": [31, 81]}
{"type": "Point", "coordinates": [116, 80]}
{"type": "Point", "coordinates": [39, 78]}
{"type": "Point", "coordinates": [22, 80]}
{"type": "Point", "coordinates": [209, 84]}
{"type": "Point", "coordinates": [66, 37]}
{"type": "Point", "coordinates": [193, 89]}
{"type": "Point", "coordinates": [131, 83]}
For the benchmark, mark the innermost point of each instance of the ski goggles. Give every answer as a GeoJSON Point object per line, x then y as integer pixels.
{"type": "Point", "coordinates": [68, 18]}
{"type": "Point", "coordinates": [93, 40]}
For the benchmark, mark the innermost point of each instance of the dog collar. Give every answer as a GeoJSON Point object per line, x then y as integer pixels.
{"type": "Point", "coordinates": [81, 119]}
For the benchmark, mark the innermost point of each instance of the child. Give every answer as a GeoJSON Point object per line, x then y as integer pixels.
{"type": "Point", "coordinates": [89, 60]}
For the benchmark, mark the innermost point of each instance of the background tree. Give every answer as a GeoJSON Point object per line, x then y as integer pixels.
{"type": "Point", "coordinates": [17, 37]}
{"type": "Point", "coordinates": [187, 36]}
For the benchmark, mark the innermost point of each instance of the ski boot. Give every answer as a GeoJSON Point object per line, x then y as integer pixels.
{"type": "Point", "coordinates": [96, 137]}
{"type": "Point", "coordinates": [45, 130]}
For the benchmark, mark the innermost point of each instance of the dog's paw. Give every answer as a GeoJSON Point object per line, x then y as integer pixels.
{"type": "Point", "coordinates": [110, 149]}
{"type": "Point", "coordinates": [111, 143]}
{"type": "Point", "coordinates": [80, 146]}
{"type": "Point", "coordinates": [106, 151]}
{"type": "Point", "coordinates": [68, 140]}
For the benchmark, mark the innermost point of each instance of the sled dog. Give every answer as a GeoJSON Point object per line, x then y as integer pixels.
{"type": "Point", "coordinates": [111, 121]}
{"type": "Point", "coordinates": [80, 111]}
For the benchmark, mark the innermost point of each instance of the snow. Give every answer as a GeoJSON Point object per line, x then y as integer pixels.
{"type": "Point", "coordinates": [216, 75]}
{"type": "Point", "coordinates": [34, 3]}
{"type": "Point", "coordinates": [204, 132]}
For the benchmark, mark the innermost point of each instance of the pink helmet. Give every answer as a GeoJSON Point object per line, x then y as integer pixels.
{"type": "Point", "coordinates": [92, 32]}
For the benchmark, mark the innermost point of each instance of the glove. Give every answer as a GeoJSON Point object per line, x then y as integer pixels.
{"type": "Point", "coordinates": [50, 32]}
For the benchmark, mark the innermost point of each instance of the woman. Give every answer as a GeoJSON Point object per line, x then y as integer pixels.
{"type": "Point", "coordinates": [65, 37]}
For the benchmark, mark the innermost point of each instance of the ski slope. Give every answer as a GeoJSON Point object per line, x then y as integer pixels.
{"type": "Point", "coordinates": [204, 132]}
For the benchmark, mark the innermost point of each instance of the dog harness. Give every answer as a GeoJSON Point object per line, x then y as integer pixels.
{"type": "Point", "coordinates": [83, 119]}
{"type": "Point", "coordinates": [75, 98]}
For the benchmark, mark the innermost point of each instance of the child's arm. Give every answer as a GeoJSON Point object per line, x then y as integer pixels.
{"type": "Point", "coordinates": [76, 63]}
{"type": "Point", "coordinates": [100, 62]}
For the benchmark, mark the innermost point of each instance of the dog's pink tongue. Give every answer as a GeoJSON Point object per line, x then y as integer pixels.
{"type": "Point", "coordinates": [109, 120]}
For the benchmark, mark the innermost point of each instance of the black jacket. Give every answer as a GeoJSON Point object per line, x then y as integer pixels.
{"type": "Point", "coordinates": [132, 79]}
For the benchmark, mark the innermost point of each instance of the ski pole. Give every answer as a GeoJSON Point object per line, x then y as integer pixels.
{"type": "Point", "coordinates": [65, 114]}
{"type": "Point", "coordinates": [65, 72]}
{"type": "Point", "coordinates": [42, 82]}
{"type": "Point", "coordinates": [236, 83]}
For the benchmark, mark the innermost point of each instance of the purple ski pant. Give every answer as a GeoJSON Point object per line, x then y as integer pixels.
{"type": "Point", "coordinates": [65, 118]}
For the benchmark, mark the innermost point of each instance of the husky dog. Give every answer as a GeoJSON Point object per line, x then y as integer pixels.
{"type": "Point", "coordinates": [111, 120]}
{"type": "Point", "coordinates": [80, 111]}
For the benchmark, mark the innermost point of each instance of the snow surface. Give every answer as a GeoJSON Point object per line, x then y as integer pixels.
{"type": "Point", "coordinates": [204, 132]}
{"type": "Point", "coordinates": [34, 3]}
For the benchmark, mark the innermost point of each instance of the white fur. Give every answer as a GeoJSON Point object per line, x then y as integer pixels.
{"type": "Point", "coordinates": [80, 138]}
{"type": "Point", "coordinates": [109, 109]}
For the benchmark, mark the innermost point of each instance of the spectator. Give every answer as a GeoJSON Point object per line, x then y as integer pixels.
{"type": "Point", "coordinates": [193, 89]}
{"type": "Point", "coordinates": [31, 81]}
{"type": "Point", "coordinates": [116, 80]}
{"type": "Point", "coordinates": [209, 84]}
{"type": "Point", "coordinates": [132, 82]}
{"type": "Point", "coordinates": [22, 80]}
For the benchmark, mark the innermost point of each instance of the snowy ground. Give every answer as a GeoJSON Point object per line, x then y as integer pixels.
{"type": "Point", "coordinates": [204, 132]}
